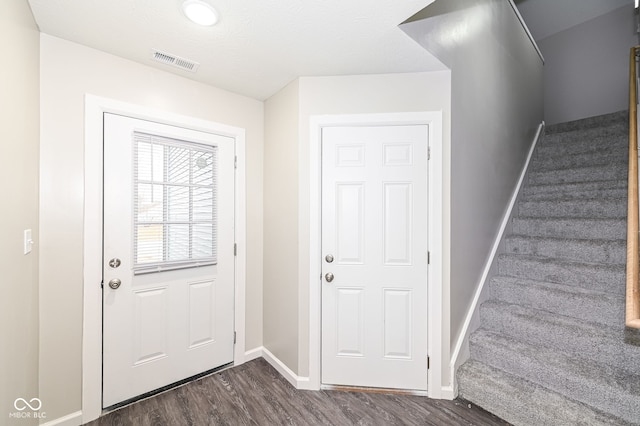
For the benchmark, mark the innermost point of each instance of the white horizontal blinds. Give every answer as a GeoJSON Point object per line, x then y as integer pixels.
{"type": "Point", "coordinates": [175, 186]}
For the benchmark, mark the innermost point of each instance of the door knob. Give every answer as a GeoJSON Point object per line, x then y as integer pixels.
{"type": "Point", "coordinates": [329, 277]}
{"type": "Point", "coordinates": [114, 263]}
{"type": "Point", "coordinates": [329, 258]}
{"type": "Point", "coordinates": [115, 283]}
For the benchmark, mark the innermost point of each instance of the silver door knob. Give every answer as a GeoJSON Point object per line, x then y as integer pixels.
{"type": "Point", "coordinates": [115, 283]}
{"type": "Point", "coordinates": [114, 263]}
{"type": "Point", "coordinates": [329, 277]}
{"type": "Point", "coordinates": [329, 258]}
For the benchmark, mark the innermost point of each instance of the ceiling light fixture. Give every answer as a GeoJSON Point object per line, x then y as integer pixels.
{"type": "Point", "coordinates": [200, 12]}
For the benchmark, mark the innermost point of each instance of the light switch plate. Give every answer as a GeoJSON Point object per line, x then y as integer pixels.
{"type": "Point", "coordinates": [28, 241]}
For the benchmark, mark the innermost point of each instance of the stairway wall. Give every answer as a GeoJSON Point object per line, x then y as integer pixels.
{"type": "Point", "coordinates": [586, 67]}
{"type": "Point", "coordinates": [496, 107]}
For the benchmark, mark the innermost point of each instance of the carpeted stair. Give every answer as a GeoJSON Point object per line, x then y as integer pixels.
{"type": "Point", "coordinates": [550, 349]}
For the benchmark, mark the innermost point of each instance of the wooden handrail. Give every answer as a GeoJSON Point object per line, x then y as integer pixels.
{"type": "Point", "coordinates": [633, 255]}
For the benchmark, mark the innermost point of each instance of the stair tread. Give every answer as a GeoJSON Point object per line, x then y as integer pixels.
{"type": "Point", "coordinates": [612, 183]}
{"type": "Point", "coordinates": [584, 380]}
{"type": "Point", "coordinates": [504, 394]}
{"type": "Point", "coordinates": [603, 343]}
{"type": "Point", "coordinates": [606, 199]}
{"type": "Point", "coordinates": [598, 373]}
{"type": "Point", "coordinates": [583, 305]}
{"type": "Point", "coordinates": [539, 315]}
{"type": "Point", "coordinates": [548, 260]}
{"type": "Point", "coordinates": [594, 241]}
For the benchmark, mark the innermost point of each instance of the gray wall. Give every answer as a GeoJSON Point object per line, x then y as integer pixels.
{"type": "Point", "coordinates": [19, 141]}
{"type": "Point", "coordinates": [496, 106]}
{"type": "Point", "coordinates": [587, 66]}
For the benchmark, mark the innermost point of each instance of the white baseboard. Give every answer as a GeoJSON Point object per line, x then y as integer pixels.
{"type": "Point", "coordinates": [253, 354]}
{"type": "Point", "coordinates": [297, 381]}
{"type": "Point", "coordinates": [485, 273]}
{"type": "Point", "coordinates": [73, 419]}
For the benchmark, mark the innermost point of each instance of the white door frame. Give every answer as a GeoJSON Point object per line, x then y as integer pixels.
{"type": "Point", "coordinates": [433, 119]}
{"type": "Point", "coordinates": [95, 107]}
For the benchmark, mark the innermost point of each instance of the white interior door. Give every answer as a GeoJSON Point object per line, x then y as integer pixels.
{"type": "Point", "coordinates": [168, 253]}
{"type": "Point", "coordinates": [374, 248]}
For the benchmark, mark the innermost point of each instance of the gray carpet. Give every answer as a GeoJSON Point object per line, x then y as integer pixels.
{"type": "Point", "coordinates": [551, 346]}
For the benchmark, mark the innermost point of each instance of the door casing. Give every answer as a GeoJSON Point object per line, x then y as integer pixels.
{"type": "Point", "coordinates": [433, 120]}
{"type": "Point", "coordinates": [95, 107]}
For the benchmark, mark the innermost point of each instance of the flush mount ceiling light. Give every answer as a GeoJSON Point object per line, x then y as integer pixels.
{"type": "Point", "coordinates": [200, 12]}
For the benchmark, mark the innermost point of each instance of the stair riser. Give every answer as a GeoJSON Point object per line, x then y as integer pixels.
{"type": "Point", "coordinates": [577, 175]}
{"type": "Point", "coordinates": [575, 195]}
{"type": "Point", "coordinates": [613, 252]}
{"type": "Point", "coordinates": [561, 228]}
{"type": "Point", "coordinates": [576, 341]}
{"type": "Point", "coordinates": [578, 160]}
{"type": "Point", "coordinates": [558, 380]}
{"type": "Point", "coordinates": [603, 208]}
{"type": "Point", "coordinates": [500, 394]}
{"type": "Point", "coordinates": [605, 278]}
{"type": "Point", "coordinates": [577, 190]}
{"type": "Point", "coordinates": [612, 146]}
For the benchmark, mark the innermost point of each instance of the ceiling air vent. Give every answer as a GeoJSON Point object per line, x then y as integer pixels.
{"type": "Point", "coordinates": [176, 61]}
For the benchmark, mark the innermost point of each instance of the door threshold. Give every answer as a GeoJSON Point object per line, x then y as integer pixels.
{"type": "Point", "coordinates": [164, 389]}
{"type": "Point", "coordinates": [405, 392]}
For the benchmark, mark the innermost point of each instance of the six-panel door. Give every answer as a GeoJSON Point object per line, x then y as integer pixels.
{"type": "Point", "coordinates": [374, 248]}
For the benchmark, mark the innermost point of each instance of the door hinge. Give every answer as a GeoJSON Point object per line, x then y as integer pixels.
{"type": "Point", "coordinates": [235, 162]}
{"type": "Point", "coordinates": [235, 249]}
{"type": "Point", "coordinates": [102, 284]}
{"type": "Point", "coordinates": [428, 362]}
{"type": "Point", "coordinates": [428, 258]}
{"type": "Point", "coordinates": [428, 153]}
{"type": "Point", "coordinates": [234, 337]}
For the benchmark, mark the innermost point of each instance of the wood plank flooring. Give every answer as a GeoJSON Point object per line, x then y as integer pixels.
{"type": "Point", "coordinates": [256, 394]}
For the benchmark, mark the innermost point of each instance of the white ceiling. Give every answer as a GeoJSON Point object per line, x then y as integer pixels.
{"type": "Point", "coordinates": [257, 47]}
{"type": "Point", "coordinates": [548, 17]}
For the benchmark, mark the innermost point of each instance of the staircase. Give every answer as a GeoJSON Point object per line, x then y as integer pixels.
{"type": "Point", "coordinates": [550, 349]}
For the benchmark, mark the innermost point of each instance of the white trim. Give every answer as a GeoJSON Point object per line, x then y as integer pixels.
{"type": "Point", "coordinates": [487, 267]}
{"type": "Point", "coordinates": [297, 381]}
{"type": "Point", "coordinates": [95, 107]}
{"type": "Point", "coordinates": [526, 29]}
{"type": "Point", "coordinates": [435, 238]}
{"type": "Point", "coordinates": [73, 419]}
{"type": "Point", "coordinates": [253, 354]}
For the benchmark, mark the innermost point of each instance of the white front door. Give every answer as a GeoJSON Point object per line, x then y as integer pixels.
{"type": "Point", "coordinates": [374, 256]}
{"type": "Point", "coordinates": [168, 271]}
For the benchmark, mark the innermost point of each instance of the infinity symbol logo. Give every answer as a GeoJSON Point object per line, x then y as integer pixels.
{"type": "Point", "coordinates": [21, 404]}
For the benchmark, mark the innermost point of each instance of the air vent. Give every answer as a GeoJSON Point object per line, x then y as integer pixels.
{"type": "Point", "coordinates": [176, 61]}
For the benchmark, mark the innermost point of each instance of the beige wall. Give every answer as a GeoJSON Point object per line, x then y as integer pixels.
{"type": "Point", "coordinates": [68, 72]}
{"type": "Point", "coordinates": [19, 139]}
{"type": "Point", "coordinates": [496, 106]}
{"type": "Point", "coordinates": [293, 107]}
{"type": "Point", "coordinates": [281, 225]}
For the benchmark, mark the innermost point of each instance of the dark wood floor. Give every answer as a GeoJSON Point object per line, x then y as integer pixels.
{"type": "Point", "coordinates": [255, 394]}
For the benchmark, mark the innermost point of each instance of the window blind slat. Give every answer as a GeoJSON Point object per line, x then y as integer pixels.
{"type": "Point", "coordinates": [175, 220]}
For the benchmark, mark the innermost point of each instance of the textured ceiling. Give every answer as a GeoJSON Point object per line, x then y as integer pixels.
{"type": "Point", "coordinates": [548, 17]}
{"type": "Point", "coordinates": [257, 47]}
